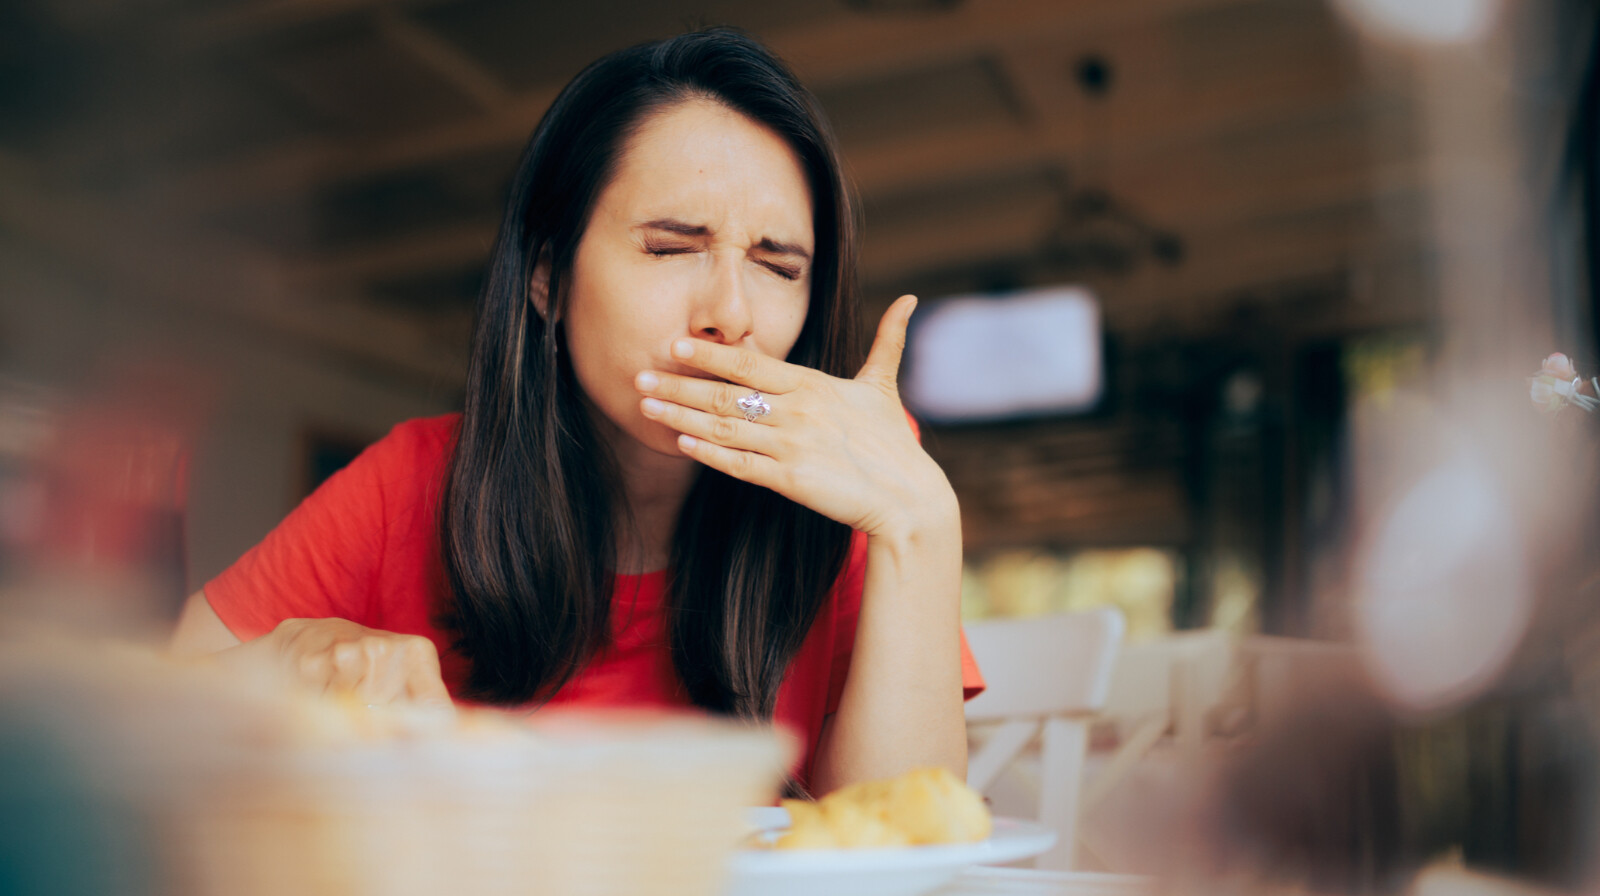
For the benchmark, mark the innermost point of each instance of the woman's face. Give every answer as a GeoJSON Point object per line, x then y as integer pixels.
{"type": "Point", "coordinates": [705, 232]}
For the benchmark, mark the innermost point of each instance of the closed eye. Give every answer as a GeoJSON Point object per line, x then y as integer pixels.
{"type": "Point", "coordinates": [786, 273]}
{"type": "Point", "coordinates": [659, 250]}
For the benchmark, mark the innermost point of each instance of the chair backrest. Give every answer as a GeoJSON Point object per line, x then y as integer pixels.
{"type": "Point", "coordinates": [1045, 665]}
{"type": "Point", "coordinates": [1045, 677]}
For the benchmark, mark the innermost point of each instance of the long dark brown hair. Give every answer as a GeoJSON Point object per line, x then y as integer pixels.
{"type": "Point", "coordinates": [531, 514]}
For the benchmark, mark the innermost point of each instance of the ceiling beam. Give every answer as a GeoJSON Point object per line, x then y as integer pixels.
{"type": "Point", "coordinates": [828, 53]}
{"type": "Point", "coordinates": [422, 253]}
{"type": "Point", "coordinates": [1201, 195]}
{"type": "Point", "coordinates": [867, 46]}
{"type": "Point", "coordinates": [1144, 126]}
{"type": "Point", "coordinates": [212, 278]}
{"type": "Point", "coordinates": [233, 22]}
{"type": "Point", "coordinates": [444, 59]}
{"type": "Point", "coordinates": [300, 168]}
{"type": "Point", "coordinates": [1144, 151]}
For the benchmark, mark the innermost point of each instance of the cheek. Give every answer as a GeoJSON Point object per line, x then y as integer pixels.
{"type": "Point", "coordinates": [781, 328]}
{"type": "Point", "coordinates": [604, 309]}
{"type": "Point", "coordinates": [614, 331]}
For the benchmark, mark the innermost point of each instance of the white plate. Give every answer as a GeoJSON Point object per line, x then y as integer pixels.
{"type": "Point", "coordinates": [900, 871]}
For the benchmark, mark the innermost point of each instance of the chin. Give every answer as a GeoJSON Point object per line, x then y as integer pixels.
{"type": "Point", "coordinates": [659, 438]}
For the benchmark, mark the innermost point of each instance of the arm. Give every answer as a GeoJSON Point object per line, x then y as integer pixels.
{"type": "Point", "coordinates": [844, 449]}
{"type": "Point", "coordinates": [902, 704]}
{"type": "Point", "coordinates": [200, 631]}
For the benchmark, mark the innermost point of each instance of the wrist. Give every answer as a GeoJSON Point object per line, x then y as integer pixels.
{"type": "Point", "coordinates": [931, 526]}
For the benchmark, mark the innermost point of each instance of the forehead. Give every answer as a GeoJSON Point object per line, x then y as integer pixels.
{"type": "Point", "coordinates": [700, 160]}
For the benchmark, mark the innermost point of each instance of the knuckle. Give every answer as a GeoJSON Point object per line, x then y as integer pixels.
{"type": "Point", "coordinates": [313, 667]}
{"type": "Point", "coordinates": [297, 638]}
{"type": "Point", "coordinates": [724, 429]}
{"type": "Point", "coordinates": [745, 462]}
{"type": "Point", "coordinates": [724, 399]}
{"type": "Point", "coordinates": [744, 366]}
{"type": "Point", "coordinates": [418, 647]}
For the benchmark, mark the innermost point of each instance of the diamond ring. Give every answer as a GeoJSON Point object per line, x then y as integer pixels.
{"type": "Point", "coordinates": [754, 406]}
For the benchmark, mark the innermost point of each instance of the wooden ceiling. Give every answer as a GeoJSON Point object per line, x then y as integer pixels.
{"type": "Point", "coordinates": [334, 169]}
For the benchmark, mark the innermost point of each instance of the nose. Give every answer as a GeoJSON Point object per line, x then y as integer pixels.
{"type": "Point", "coordinates": [721, 312]}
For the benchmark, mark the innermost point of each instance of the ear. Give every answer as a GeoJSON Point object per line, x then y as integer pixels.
{"type": "Point", "coordinates": [539, 285]}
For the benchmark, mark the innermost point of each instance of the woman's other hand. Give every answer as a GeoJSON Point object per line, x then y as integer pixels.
{"type": "Point", "coordinates": [323, 655]}
{"type": "Point", "coordinates": [840, 447]}
{"type": "Point", "coordinates": [341, 657]}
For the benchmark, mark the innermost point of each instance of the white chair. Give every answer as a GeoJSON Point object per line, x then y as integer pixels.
{"type": "Point", "coordinates": [1158, 688]}
{"type": "Point", "coordinates": [1046, 676]}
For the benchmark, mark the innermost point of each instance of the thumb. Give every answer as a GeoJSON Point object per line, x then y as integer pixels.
{"type": "Point", "coordinates": [883, 361]}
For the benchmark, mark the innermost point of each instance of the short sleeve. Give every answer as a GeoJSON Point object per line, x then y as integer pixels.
{"type": "Point", "coordinates": [847, 611]}
{"type": "Point", "coordinates": [323, 559]}
{"type": "Point", "coordinates": [972, 683]}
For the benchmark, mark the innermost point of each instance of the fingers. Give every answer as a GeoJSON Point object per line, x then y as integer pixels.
{"type": "Point", "coordinates": [739, 365]}
{"type": "Point", "coordinates": [424, 681]}
{"type": "Point", "coordinates": [347, 668]}
{"type": "Point", "coordinates": [710, 396]}
{"type": "Point", "coordinates": [883, 361]}
{"type": "Point", "coordinates": [731, 432]}
{"type": "Point", "coordinates": [757, 469]}
{"type": "Point", "coordinates": [376, 667]}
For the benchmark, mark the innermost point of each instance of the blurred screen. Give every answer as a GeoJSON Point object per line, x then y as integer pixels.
{"type": "Point", "coordinates": [990, 357]}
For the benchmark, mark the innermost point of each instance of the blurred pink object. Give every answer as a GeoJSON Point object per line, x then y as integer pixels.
{"type": "Point", "coordinates": [1557, 385]}
{"type": "Point", "coordinates": [1560, 366]}
{"type": "Point", "coordinates": [104, 543]}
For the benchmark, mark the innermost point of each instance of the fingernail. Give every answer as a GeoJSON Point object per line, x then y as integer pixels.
{"type": "Point", "coordinates": [687, 443]}
{"type": "Point", "coordinates": [646, 381]}
{"type": "Point", "coordinates": [683, 348]}
{"type": "Point", "coordinates": [652, 406]}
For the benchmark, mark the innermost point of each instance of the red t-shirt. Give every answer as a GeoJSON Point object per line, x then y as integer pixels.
{"type": "Point", "coordinates": [365, 547]}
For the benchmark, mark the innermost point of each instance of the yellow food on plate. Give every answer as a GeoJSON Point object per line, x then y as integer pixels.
{"type": "Point", "coordinates": [921, 807]}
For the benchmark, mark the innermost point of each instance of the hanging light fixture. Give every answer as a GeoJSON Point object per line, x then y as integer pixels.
{"type": "Point", "coordinates": [1095, 231]}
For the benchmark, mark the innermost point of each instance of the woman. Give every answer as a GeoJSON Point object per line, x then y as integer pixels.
{"type": "Point", "coordinates": [664, 488]}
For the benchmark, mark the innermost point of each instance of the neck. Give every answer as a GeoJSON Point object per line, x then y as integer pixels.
{"type": "Point", "coordinates": [654, 487]}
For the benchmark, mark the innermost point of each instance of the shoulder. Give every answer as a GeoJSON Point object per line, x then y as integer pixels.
{"type": "Point", "coordinates": [417, 445]}
{"type": "Point", "coordinates": [422, 436]}
{"type": "Point", "coordinates": [404, 467]}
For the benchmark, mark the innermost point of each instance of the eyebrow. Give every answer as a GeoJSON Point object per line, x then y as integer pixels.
{"type": "Point", "coordinates": [683, 228]}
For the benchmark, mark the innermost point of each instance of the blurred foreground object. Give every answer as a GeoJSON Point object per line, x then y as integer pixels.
{"type": "Point", "coordinates": [1443, 591]}
{"type": "Point", "coordinates": [95, 539]}
{"type": "Point", "coordinates": [1557, 385]}
{"type": "Point", "coordinates": [202, 784]}
{"type": "Point", "coordinates": [1344, 796]}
